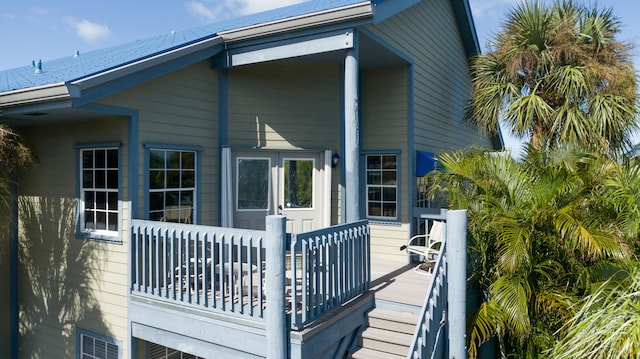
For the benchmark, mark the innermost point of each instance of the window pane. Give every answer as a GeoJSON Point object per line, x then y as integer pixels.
{"type": "Point", "coordinates": [389, 209]}
{"type": "Point", "coordinates": [173, 179]}
{"type": "Point", "coordinates": [113, 221]}
{"type": "Point", "coordinates": [298, 183]}
{"type": "Point", "coordinates": [373, 162]}
{"type": "Point", "coordinates": [375, 194]}
{"type": "Point", "coordinates": [173, 159]}
{"type": "Point", "coordinates": [253, 184]}
{"type": "Point", "coordinates": [172, 198]}
{"type": "Point", "coordinates": [89, 200]}
{"type": "Point", "coordinates": [112, 158]}
{"type": "Point", "coordinates": [156, 216]}
{"type": "Point", "coordinates": [189, 160]}
{"type": "Point", "coordinates": [156, 159]}
{"type": "Point", "coordinates": [375, 209]}
{"type": "Point", "coordinates": [188, 178]}
{"type": "Point", "coordinates": [389, 177]}
{"type": "Point", "coordinates": [89, 220]}
{"type": "Point", "coordinates": [186, 198]}
{"type": "Point", "coordinates": [156, 179]}
{"type": "Point", "coordinates": [112, 201]}
{"type": "Point", "coordinates": [156, 201]}
{"type": "Point", "coordinates": [87, 159]}
{"type": "Point", "coordinates": [373, 177]}
{"type": "Point", "coordinates": [101, 220]}
{"type": "Point", "coordinates": [389, 162]}
{"type": "Point", "coordinates": [87, 345]}
{"type": "Point", "coordinates": [101, 200]}
{"type": "Point", "coordinates": [112, 179]}
{"type": "Point", "coordinates": [87, 179]}
{"type": "Point", "coordinates": [101, 179]}
{"type": "Point", "coordinates": [389, 194]}
{"type": "Point", "coordinates": [101, 159]}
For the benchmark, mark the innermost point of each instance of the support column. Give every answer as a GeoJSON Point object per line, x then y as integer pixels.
{"type": "Point", "coordinates": [276, 313]}
{"type": "Point", "coordinates": [352, 134]}
{"type": "Point", "coordinates": [457, 282]}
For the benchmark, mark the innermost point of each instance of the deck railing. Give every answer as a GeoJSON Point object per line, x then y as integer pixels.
{"type": "Point", "coordinates": [429, 338]}
{"type": "Point", "coordinates": [441, 323]}
{"type": "Point", "coordinates": [330, 267]}
{"type": "Point", "coordinates": [223, 269]}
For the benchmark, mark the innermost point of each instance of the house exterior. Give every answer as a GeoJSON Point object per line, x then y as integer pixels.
{"type": "Point", "coordinates": [314, 111]}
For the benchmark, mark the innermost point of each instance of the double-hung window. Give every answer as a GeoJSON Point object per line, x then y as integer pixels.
{"type": "Point", "coordinates": [95, 346]}
{"type": "Point", "coordinates": [382, 186]}
{"type": "Point", "coordinates": [99, 192]}
{"type": "Point", "coordinates": [172, 185]}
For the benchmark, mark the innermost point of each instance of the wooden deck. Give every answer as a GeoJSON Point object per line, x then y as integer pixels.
{"type": "Point", "coordinates": [398, 282]}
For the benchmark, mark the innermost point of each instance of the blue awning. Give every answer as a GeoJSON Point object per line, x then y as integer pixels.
{"type": "Point", "coordinates": [425, 162]}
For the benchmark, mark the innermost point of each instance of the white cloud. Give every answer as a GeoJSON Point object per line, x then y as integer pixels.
{"type": "Point", "coordinates": [90, 31]}
{"type": "Point", "coordinates": [213, 10]}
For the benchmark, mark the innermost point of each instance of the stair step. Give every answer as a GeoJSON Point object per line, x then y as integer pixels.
{"type": "Point", "coordinates": [403, 322]}
{"type": "Point", "coordinates": [394, 316]}
{"type": "Point", "coordinates": [366, 353]}
{"type": "Point", "coordinates": [386, 341]}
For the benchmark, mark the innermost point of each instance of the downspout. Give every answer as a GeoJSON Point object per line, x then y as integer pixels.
{"type": "Point", "coordinates": [14, 330]}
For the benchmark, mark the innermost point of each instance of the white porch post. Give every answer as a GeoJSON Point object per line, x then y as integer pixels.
{"type": "Point", "coordinates": [351, 134]}
{"type": "Point", "coordinates": [457, 282]}
{"type": "Point", "coordinates": [276, 312]}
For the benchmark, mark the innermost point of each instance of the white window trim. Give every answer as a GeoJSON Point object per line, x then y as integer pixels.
{"type": "Point", "coordinates": [101, 235]}
{"type": "Point", "coordinates": [397, 217]}
{"type": "Point", "coordinates": [80, 333]}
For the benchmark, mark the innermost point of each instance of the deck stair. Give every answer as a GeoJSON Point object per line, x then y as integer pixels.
{"type": "Point", "coordinates": [388, 335]}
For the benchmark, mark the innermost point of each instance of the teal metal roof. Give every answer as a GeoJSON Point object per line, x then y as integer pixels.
{"type": "Point", "coordinates": [72, 68]}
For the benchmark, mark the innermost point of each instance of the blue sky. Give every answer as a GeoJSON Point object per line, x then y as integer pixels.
{"type": "Point", "coordinates": [33, 30]}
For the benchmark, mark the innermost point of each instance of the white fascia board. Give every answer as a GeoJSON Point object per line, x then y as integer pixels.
{"type": "Point", "coordinates": [30, 95]}
{"type": "Point", "coordinates": [128, 69]}
{"type": "Point", "coordinates": [338, 40]}
{"type": "Point", "coordinates": [346, 13]}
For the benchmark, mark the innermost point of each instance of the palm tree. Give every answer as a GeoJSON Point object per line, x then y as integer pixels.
{"type": "Point", "coordinates": [557, 75]}
{"type": "Point", "coordinates": [15, 155]}
{"type": "Point", "coordinates": [607, 325]}
{"type": "Point", "coordinates": [542, 230]}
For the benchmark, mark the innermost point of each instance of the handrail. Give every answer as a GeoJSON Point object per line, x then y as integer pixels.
{"type": "Point", "coordinates": [430, 335]}
{"type": "Point", "coordinates": [328, 268]}
{"type": "Point", "coordinates": [428, 338]}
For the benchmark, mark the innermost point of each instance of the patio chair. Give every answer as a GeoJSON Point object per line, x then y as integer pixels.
{"type": "Point", "coordinates": [428, 251]}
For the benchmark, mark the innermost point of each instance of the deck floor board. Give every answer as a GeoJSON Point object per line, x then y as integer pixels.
{"type": "Point", "coordinates": [396, 281]}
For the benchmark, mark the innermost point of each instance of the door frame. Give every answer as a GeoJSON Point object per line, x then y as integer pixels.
{"type": "Point", "coordinates": [228, 187]}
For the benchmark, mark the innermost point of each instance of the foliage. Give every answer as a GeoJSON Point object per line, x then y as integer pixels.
{"type": "Point", "coordinates": [543, 230]}
{"type": "Point", "coordinates": [608, 323]}
{"type": "Point", "coordinates": [557, 75]}
{"type": "Point", "coordinates": [15, 155]}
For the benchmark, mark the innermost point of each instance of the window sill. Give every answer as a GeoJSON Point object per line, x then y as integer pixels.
{"type": "Point", "coordinates": [100, 237]}
{"type": "Point", "coordinates": [390, 222]}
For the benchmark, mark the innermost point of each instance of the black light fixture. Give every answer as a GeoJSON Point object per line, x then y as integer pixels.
{"type": "Point", "coordinates": [335, 160]}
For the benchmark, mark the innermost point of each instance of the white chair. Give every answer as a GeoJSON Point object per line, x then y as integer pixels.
{"type": "Point", "coordinates": [428, 251]}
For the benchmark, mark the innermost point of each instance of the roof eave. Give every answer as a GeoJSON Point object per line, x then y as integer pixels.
{"type": "Point", "coordinates": [31, 95]}
{"type": "Point", "coordinates": [145, 63]}
{"type": "Point", "coordinates": [326, 17]}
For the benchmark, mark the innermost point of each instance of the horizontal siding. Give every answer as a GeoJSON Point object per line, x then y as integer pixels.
{"type": "Point", "coordinates": [65, 282]}
{"type": "Point", "coordinates": [387, 239]}
{"type": "Point", "coordinates": [180, 109]}
{"type": "Point", "coordinates": [428, 33]}
{"type": "Point", "coordinates": [385, 119]}
{"type": "Point", "coordinates": [285, 104]}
